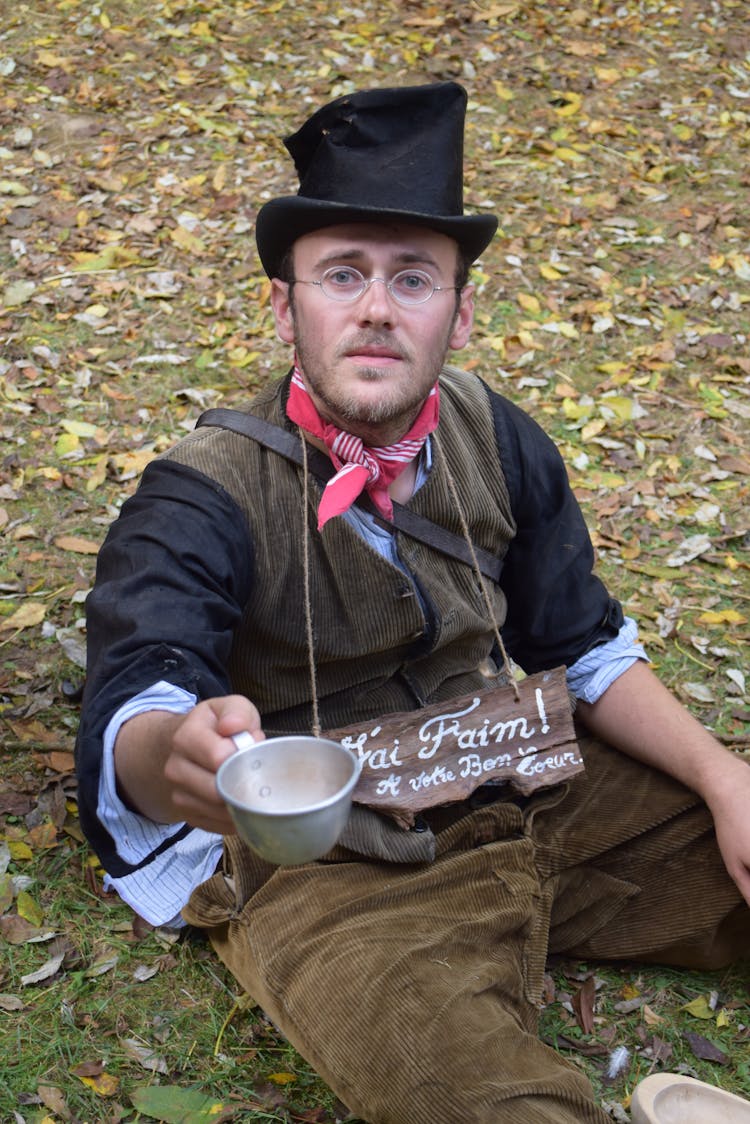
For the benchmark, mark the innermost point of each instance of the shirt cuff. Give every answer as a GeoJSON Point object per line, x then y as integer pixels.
{"type": "Point", "coordinates": [135, 836]}
{"type": "Point", "coordinates": [591, 675]}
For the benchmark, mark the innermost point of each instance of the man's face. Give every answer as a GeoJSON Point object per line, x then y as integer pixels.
{"type": "Point", "coordinates": [370, 363]}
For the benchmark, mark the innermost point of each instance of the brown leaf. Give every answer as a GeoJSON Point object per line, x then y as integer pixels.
{"type": "Point", "coordinates": [61, 761]}
{"type": "Point", "coordinates": [704, 1049]}
{"type": "Point", "coordinates": [76, 544]}
{"type": "Point", "coordinates": [16, 930]}
{"type": "Point", "coordinates": [54, 1099]}
{"type": "Point", "coordinates": [88, 1069]}
{"type": "Point", "coordinates": [583, 1005]}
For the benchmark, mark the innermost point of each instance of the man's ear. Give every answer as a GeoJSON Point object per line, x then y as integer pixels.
{"type": "Point", "coordinates": [281, 305]}
{"type": "Point", "coordinates": [464, 320]}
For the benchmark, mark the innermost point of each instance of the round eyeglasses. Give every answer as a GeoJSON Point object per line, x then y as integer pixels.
{"type": "Point", "coordinates": [408, 287]}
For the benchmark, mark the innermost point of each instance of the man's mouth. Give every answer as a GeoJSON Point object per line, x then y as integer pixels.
{"type": "Point", "coordinates": [373, 355]}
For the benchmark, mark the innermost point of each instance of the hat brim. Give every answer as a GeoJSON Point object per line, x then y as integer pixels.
{"type": "Point", "coordinates": [282, 221]}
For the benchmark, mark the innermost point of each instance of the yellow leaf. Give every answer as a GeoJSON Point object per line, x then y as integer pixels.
{"type": "Point", "coordinates": [97, 310]}
{"type": "Point", "coordinates": [568, 154]}
{"type": "Point", "coordinates": [699, 1008]}
{"type": "Point", "coordinates": [105, 1085]}
{"type": "Point", "coordinates": [29, 614]}
{"type": "Point", "coordinates": [66, 443]}
{"type": "Point", "coordinates": [19, 851]}
{"type": "Point", "coordinates": [549, 273]}
{"type": "Point", "coordinates": [616, 367]}
{"type": "Point", "coordinates": [723, 616]}
{"type": "Point", "coordinates": [593, 429]}
{"type": "Point", "coordinates": [187, 241]}
{"type": "Point", "coordinates": [503, 92]}
{"type": "Point", "coordinates": [740, 265]}
{"type": "Point", "coordinates": [79, 428]}
{"type": "Point", "coordinates": [529, 302]}
{"type": "Point", "coordinates": [282, 1078]}
{"type": "Point", "coordinates": [99, 474]}
{"type": "Point", "coordinates": [51, 60]}
{"type": "Point", "coordinates": [132, 463]}
{"type": "Point", "coordinates": [201, 29]}
{"type": "Point", "coordinates": [30, 910]}
{"type": "Point", "coordinates": [607, 74]}
{"type": "Point", "coordinates": [575, 410]}
{"type": "Point", "coordinates": [621, 407]}
{"type": "Point", "coordinates": [572, 106]}
{"type": "Point", "coordinates": [111, 257]}
{"type": "Point", "coordinates": [219, 178]}
{"type": "Point", "coordinates": [723, 1019]}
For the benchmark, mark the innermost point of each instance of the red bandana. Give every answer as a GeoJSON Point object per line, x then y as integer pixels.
{"type": "Point", "coordinates": [360, 468]}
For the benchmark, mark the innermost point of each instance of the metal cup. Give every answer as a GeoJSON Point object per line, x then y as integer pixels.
{"type": "Point", "coordinates": [289, 797]}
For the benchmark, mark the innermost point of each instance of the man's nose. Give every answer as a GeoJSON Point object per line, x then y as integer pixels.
{"type": "Point", "coordinates": [376, 303]}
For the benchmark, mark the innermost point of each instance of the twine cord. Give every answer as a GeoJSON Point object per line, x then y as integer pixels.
{"type": "Point", "coordinates": [475, 566]}
{"type": "Point", "coordinates": [453, 490]}
{"type": "Point", "coordinates": [308, 601]}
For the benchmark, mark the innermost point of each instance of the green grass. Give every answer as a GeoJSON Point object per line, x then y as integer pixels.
{"type": "Point", "coordinates": [143, 113]}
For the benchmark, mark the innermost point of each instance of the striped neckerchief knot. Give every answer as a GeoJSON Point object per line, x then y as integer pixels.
{"type": "Point", "coordinates": [359, 467]}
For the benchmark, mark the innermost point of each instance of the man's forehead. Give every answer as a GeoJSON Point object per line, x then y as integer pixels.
{"type": "Point", "coordinates": [400, 241]}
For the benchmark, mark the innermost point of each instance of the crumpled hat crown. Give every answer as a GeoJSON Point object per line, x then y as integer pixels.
{"type": "Point", "coordinates": [383, 154]}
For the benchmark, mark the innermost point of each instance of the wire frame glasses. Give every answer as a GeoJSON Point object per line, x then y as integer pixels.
{"type": "Point", "coordinates": [408, 287]}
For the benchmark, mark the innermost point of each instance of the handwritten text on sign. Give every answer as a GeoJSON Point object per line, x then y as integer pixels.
{"type": "Point", "coordinates": [442, 753]}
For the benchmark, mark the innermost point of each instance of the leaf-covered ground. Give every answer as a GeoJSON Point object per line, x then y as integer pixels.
{"type": "Point", "coordinates": [136, 142]}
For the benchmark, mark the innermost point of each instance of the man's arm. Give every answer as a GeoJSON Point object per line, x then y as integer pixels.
{"type": "Point", "coordinates": [638, 715]}
{"type": "Point", "coordinates": [166, 763]}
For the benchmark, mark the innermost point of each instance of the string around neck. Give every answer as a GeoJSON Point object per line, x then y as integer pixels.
{"type": "Point", "coordinates": [310, 642]}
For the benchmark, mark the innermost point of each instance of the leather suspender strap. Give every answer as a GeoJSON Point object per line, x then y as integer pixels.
{"type": "Point", "coordinates": [404, 519]}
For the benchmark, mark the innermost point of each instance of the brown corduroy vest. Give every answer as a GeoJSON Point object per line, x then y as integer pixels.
{"type": "Point", "coordinates": [371, 657]}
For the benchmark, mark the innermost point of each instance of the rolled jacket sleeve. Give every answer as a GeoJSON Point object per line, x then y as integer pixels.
{"type": "Point", "coordinates": [172, 577]}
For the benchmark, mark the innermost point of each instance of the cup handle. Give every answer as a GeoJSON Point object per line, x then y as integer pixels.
{"type": "Point", "coordinates": [243, 740]}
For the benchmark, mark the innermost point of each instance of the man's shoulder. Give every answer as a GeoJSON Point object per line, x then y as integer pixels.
{"type": "Point", "coordinates": [464, 389]}
{"type": "Point", "coordinates": [267, 404]}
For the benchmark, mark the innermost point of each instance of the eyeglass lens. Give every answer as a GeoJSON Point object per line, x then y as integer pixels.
{"type": "Point", "coordinates": [410, 286]}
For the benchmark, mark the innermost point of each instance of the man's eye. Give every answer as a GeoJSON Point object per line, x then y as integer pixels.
{"type": "Point", "coordinates": [342, 277]}
{"type": "Point", "coordinates": [412, 282]}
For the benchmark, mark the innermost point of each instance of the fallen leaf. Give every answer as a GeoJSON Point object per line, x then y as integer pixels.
{"type": "Point", "coordinates": [692, 547]}
{"type": "Point", "coordinates": [103, 1084]}
{"type": "Point", "coordinates": [144, 1055]}
{"type": "Point", "coordinates": [28, 615]}
{"type": "Point", "coordinates": [10, 1003]}
{"type": "Point", "coordinates": [77, 544]}
{"type": "Point", "coordinates": [29, 909]}
{"type": "Point", "coordinates": [699, 1008]}
{"type": "Point", "coordinates": [583, 1005]}
{"type": "Point", "coordinates": [705, 1050]}
{"type": "Point", "coordinates": [174, 1105]}
{"type": "Point", "coordinates": [50, 968]}
{"type": "Point", "coordinates": [723, 616]}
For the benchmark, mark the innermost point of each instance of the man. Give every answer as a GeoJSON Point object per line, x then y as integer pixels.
{"type": "Point", "coordinates": [407, 966]}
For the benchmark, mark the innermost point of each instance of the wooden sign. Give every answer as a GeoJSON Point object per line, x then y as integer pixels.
{"type": "Point", "coordinates": [443, 752]}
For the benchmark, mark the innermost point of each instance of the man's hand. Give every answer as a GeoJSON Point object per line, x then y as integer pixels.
{"type": "Point", "coordinates": [729, 803]}
{"type": "Point", "coordinates": [166, 763]}
{"type": "Point", "coordinates": [639, 716]}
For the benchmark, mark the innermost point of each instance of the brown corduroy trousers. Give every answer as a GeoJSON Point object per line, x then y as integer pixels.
{"type": "Point", "coordinates": [414, 989]}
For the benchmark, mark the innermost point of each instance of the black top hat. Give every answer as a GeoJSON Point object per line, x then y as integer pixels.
{"type": "Point", "coordinates": [377, 155]}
